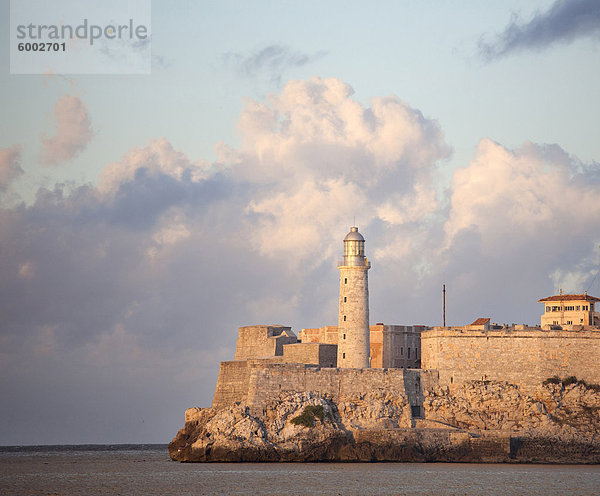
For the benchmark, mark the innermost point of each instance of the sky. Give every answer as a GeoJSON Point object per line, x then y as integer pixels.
{"type": "Point", "coordinates": [145, 217]}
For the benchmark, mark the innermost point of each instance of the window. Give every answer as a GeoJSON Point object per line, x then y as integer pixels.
{"type": "Point", "coordinates": [401, 350]}
{"type": "Point", "coordinates": [344, 318]}
{"type": "Point", "coordinates": [344, 299]}
{"type": "Point", "coordinates": [354, 248]}
{"type": "Point", "coordinates": [344, 336]}
{"type": "Point", "coordinates": [578, 307]}
{"type": "Point", "coordinates": [569, 322]}
{"type": "Point", "coordinates": [408, 352]}
{"type": "Point", "coordinates": [343, 356]}
{"type": "Point", "coordinates": [345, 280]}
{"type": "Point", "coordinates": [547, 309]}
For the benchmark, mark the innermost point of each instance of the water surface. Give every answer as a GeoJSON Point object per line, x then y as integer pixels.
{"type": "Point", "coordinates": [147, 470]}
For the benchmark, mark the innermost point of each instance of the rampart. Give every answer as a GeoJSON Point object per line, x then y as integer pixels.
{"type": "Point", "coordinates": [395, 346]}
{"type": "Point", "coordinates": [326, 334]}
{"type": "Point", "coordinates": [525, 357]}
{"type": "Point", "coordinates": [262, 341]}
{"type": "Point", "coordinates": [392, 346]}
{"type": "Point", "coordinates": [258, 382]}
{"type": "Point", "coordinates": [321, 354]}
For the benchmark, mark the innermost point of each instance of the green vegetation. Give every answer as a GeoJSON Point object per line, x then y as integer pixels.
{"type": "Point", "coordinates": [307, 417]}
{"type": "Point", "coordinates": [567, 381]}
{"type": "Point", "coordinates": [590, 410]}
{"type": "Point", "coordinates": [552, 380]}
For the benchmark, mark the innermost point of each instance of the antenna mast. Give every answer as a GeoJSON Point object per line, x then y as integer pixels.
{"type": "Point", "coordinates": [444, 294]}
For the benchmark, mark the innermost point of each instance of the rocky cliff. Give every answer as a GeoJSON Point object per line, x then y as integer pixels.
{"type": "Point", "coordinates": [481, 421]}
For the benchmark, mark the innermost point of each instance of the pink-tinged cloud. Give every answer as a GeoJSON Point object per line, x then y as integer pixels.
{"type": "Point", "coordinates": [512, 197]}
{"type": "Point", "coordinates": [327, 157]}
{"type": "Point", "coordinates": [73, 131]}
{"type": "Point", "coordinates": [158, 157]}
{"type": "Point", "coordinates": [9, 165]}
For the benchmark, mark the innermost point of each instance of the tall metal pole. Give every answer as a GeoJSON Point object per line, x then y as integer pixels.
{"type": "Point", "coordinates": [444, 293]}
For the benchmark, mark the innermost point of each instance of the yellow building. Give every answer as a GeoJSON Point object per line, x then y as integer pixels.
{"type": "Point", "coordinates": [570, 309]}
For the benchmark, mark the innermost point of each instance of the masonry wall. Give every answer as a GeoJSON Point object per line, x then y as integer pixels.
{"type": "Point", "coordinates": [326, 334]}
{"type": "Point", "coordinates": [395, 346]}
{"type": "Point", "coordinates": [522, 357]}
{"type": "Point", "coordinates": [262, 341]}
{"type": "Point", "coordinates": [321, 354]}
{"type": "Point", "coordinates": [232, 383]}
{"type": "Point", "coordinates": [267, 381]}
{"type": "Point", "coordinates": [391, 346]}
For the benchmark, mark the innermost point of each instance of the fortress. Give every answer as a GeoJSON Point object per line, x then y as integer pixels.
{"type": "Point", "coordinates": [359, 392]}
{"type": "Point", "coordinates": [356, 357]}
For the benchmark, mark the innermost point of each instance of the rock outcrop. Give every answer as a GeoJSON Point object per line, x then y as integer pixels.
{"type": "Point", "coordinates": [235, 434]}
{"type": "Point", "coordinates": [551, 409]}
{"type": "Point", "coordinates": [482, 421]}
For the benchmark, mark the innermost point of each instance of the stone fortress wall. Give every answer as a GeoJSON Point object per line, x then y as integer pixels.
{"type": "Point", "coordinates": [322, 354]}
{"type": "Point", "coordinates": [262, 341]}
{"type": "Point", "coordinates": [258, 382]}
{"type": "Point", "coordinates": [392, 346]}
{"type": "Point", "coordinates": [396, 346]}
{"type": "Point", "coordinates": [269, 360]}
{"type": "Point", "coordinates": [525, 356]}
{"type": "Point", "coordinates": [521, 355]}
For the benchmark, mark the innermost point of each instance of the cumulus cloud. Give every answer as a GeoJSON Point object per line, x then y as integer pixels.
{"type": "Point", "coordinates": [530, 191]}
{"type": "Point", "coordinates": [137, 285]}
{"type": "Point", "coordinates": [297, 224]}
{"type": "Point", "coordinates": [563, 22]}
{"type": "Point", "coordinates": [330, 158]}
{"type": "Point", "coordinates": [272, 60]}
{"type": "Point", "coordinates": [156, 158]}
{"type": "Point", "coordinates": [524, 221]}
{"type": "Point", "coordinates": [73, 131]}
{"type": "Point", "coordinates": [9, 166]}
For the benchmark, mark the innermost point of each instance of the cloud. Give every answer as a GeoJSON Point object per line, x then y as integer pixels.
{"type": "Point", "coordinates": [563, 22]}
{"type": "Point", "coordinates": [328, 158]}
{"type": "Point", "coordinates": [156, 158]}
{"type": "Point", "coordinates": [9, 166]}
{"type": "Point", "coordinates": [271, 60]}
{"type": "Point", "coordinates": [131, 291]}
{"type": "Point", "coordinates": [296, 224]}
{"type": "Point", "coordinates": [514, 196]}
{"type": "Point", "coordinates": [521, 223]}
{"type": "Point", "coordinates": [73, 131]}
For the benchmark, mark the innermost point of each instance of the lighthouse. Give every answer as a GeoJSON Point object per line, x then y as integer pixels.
{"type": "Point", "coordinates": [353, 326]}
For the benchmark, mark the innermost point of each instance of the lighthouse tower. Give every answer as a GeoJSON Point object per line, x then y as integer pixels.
{"type": "Point", "coordinates": [353, 327]}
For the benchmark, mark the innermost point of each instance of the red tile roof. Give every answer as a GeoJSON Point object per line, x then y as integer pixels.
{"type": "Point", "coordinates": [481, 321]}
{"type": "Point", "coordinates": [570, 297]}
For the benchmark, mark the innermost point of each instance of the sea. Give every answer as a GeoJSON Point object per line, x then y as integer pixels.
{"type": "Point", "coordinates": [147, 470]}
